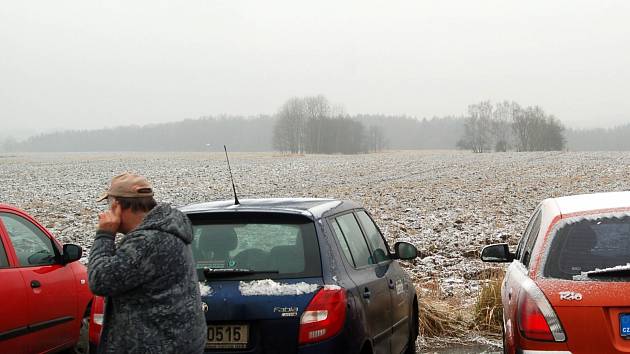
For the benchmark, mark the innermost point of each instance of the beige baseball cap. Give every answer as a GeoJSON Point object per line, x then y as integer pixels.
{"type": "Point", "coordinates": [128, 185]}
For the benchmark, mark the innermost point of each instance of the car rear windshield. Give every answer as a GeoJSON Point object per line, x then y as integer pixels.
{"type": "Point", "coordinates": [258, 245]}
{"type": "Point", "coordinates": [582, 245]}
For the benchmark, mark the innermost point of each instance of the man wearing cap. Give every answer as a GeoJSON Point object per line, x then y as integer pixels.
{"type": "Point", "coordinates": [149, 280]}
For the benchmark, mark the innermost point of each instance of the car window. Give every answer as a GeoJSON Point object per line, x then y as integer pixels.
{"type": "Point", "coordinates": [4, 261]}
{"type": "Point", "coordinates": [523, 241]}
{"type": "Point", "coordinates": [343, 242]}
{"type": "Point", "coordinates": [356, 242]}
{"type": "Point", "coordinates": [532, 236]}
{"type": "Point", "coordinates": [286, 247]}
{"type": "Point", "coordinates": [374, 237]}
{"type": "Point", "coordinates": [582, 245]}
{"type": "Point", "coordinates": [31, 245]}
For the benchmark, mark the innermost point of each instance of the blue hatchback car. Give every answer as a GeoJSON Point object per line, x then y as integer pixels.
{"type": "Point", "coordinates": [301, 276]}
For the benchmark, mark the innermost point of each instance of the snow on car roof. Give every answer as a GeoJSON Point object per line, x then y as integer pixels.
{"type": "Point", "coordinates": [591, 202]}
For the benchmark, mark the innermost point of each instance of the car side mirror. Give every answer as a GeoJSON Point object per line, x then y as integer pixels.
{"type": "Point", "coordinates": [71, 253]}
{"type": "Point", "coordinates": [499, 253]}
{"type": "Point", "coordinates": [405, 251]}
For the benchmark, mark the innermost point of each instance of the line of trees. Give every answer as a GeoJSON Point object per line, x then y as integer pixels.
{"type": "Point", "coordinates": [312, 125]}
{"type": "Point", "coordinates": [239, 134]}
{"type": "Point", "coordinates": [325, 128]}
{"type": "Point", "coordinates": [599, 139]}
{"type": "Point", "coordinates": [204, 134]}
{"type": "Point", "coordinates": [507, 126]}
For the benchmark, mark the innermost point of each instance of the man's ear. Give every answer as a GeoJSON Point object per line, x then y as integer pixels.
{"type": "Point", "coordinates": [117, 208]}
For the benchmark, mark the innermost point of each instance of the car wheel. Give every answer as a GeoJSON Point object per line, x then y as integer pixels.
{"type": "Point", "coordinates": [413, 331]}
{"type": "Point", "coordinates": [83, 345]}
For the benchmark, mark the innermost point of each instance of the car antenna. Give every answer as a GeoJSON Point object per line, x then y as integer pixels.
{"type": "Point", "coordinates": [236, 202]}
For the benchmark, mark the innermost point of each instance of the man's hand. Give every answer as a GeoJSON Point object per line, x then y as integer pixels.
{"type": "Point", "coordinates": [109, 221]}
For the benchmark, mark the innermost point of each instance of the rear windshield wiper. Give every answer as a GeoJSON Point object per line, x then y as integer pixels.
{"type": "Point", "coordinates": [212, 273]}
{"type": "Point", "coordinates": [614, 272]}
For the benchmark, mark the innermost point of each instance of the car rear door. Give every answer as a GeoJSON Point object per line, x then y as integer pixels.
{"type": "Point", "coordinates": [256, 316]}
{"type": "Point", "coordinates": [50, 286]}
{"type": "Point", "coordinates": [258, 312]}
{"type": "Point", "coordinates": [370, 278]}
{"type": "Point", "coordinates": [13, 302]}
{"type": "Point", "coordinates": [594, 309]}
{"type": "Point", "coordinates": [591, 313]}
{"type": "Point", "coordinates": [397, 282]}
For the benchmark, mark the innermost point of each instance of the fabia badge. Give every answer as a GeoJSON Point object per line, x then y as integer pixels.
{"type": "Point", "coordinates": [570, 296]}
{"type": "Point", "coordinates": [290, 311]}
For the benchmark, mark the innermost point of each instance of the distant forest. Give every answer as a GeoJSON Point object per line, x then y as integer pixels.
{"type": "Point", "coordinates": [257, 134]}
{"type": "Point", "coordinates": [238, 133]}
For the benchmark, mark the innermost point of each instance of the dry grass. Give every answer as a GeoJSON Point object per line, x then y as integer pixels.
{"type": "Point", "coordinates": [446, 318]}
{"type": "Point", "coordinates": [437, 317]}
{"type": "Point", "coordinates": [488, 309]}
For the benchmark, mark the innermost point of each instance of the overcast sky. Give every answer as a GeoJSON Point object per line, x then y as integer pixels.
{"type": "Point", "coordinates": [92, 64]}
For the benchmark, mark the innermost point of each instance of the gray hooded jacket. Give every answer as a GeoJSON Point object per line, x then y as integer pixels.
{"type": "Point", "coordinates": [149, 280]}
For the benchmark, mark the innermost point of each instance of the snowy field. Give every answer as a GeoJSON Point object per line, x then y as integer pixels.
{"type": "Point", "coordinates": [449, 204]}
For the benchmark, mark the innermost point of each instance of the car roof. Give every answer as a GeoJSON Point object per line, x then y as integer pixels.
{"type": "Point", "coordinates": [584, 203]}
{"type": "Point", "coordinates": [316, 207]}
{"type": "Point", "coordinates": [11, 207]}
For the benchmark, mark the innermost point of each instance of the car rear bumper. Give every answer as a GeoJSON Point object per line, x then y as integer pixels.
{"type": "Point", "coordinates": [336, 345]}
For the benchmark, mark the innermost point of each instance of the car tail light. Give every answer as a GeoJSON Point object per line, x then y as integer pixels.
{"type": "Point", "coordinates": [324, 316]}
{"type": "Point", "coordinates": [98, 309]}
{"type": "Point", "coordinates": [96, 314]}
{"type": "Point", "coordinates": [536, 318]}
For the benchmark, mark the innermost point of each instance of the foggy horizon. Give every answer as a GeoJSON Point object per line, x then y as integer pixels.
{"type": "Point", "coordinates": [79, 65]}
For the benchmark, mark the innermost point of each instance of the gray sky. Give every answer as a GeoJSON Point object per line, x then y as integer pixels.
{"type": "Point", "coordinates": [88, 64]}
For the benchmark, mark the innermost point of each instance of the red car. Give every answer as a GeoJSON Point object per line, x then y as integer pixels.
{"type": "Point", "coordinates": [567, 288]}
{"type": "Point", "coordinates": [44, 295]}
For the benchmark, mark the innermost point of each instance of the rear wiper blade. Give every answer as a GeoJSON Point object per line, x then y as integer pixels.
{"type": "Point", "coordinates": [211, 273]}
{"type": "Point", "coordinates": [619, 271]}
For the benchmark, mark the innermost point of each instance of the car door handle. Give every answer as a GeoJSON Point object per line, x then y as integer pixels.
{"type": "Point", "coordinates": [35, 284]}
{"type": "Point", "coordinates": [391, 284]}
{"type": "Point", "coordinates": [366, 293]}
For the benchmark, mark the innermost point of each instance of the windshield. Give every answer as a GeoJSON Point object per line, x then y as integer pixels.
{"type": "Point", "coordinates": [585, 244]}
{"type": "Point", "coordinates": [255, 247]}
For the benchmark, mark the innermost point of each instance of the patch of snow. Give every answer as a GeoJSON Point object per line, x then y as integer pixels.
{"type": "Point", "coordinates": [205, 289]}
{"type": "Point", "coordinates": [271, 288]}
{"type": "Point", "coordinates": [332, 287]}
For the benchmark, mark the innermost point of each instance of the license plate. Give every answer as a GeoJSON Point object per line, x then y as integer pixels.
{"type": "Point", "coordinates": [227, 336]}
{"type": "Point", "coordinates": [624, 323]}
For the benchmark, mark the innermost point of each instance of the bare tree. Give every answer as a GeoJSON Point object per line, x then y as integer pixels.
{"type": "Point", "coordinates": [477, 127]}
{"type": "Point", "coordinates": [289, 129]}
{"type": "Point", "coordinates": [306, 125]}
{"type": "Point", "coordinates": [537, 131]}
{"type": "Point", "coordinates": [317, 109]}
{"type": "Point", "coordinates": [503, 116]}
